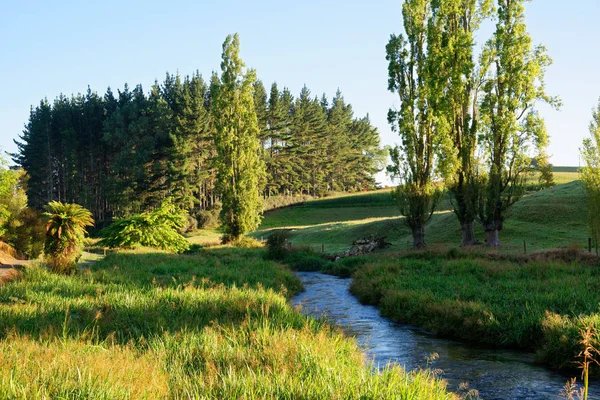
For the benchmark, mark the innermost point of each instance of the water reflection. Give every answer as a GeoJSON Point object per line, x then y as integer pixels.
{"type": "Point", "coordinates": [497, 374]}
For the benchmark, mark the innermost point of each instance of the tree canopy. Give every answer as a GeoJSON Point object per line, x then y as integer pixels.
{"type": "Point", "coordinates": [124, 152]}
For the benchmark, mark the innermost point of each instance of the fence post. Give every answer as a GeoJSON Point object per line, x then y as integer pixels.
{"type": "Point", "coordinates": [322, 248]}
{"type": "Point", "coordinates": [525, 246]}
{"type": "Point", "coordinates": [590, 245]}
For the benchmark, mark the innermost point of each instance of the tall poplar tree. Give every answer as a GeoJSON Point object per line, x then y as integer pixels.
{"type": "Point", "coordinates": [455, 24]}
{"type": "Point", "coordinates": [511, 126]}
{"type": "Point", "coordinates": [590, 172]}
{"type": "Point", "coordinates": [240, 171]}
{"type": "Point", "coordinates": [412, 78]}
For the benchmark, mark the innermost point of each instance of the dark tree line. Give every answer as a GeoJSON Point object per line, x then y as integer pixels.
{"type": "Point", "coordinates": [123, 153]}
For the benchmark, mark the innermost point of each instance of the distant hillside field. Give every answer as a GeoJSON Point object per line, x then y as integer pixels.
{"type": "Point", "coordinates": [565, 169]}
{"type": "Point", "coordinates": [551, 218]}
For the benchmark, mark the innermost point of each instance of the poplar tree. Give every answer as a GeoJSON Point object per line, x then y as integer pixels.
{"type": "Point", "coordinates": [454, 26]}
{"type": "Point", "coordinates": [240, 171]}
{"type": "Point", "coordinates": [511, 126]}
{"type": "Point", "coordinates": [412, 77]}
{"type": "Point", "coordinates": [590, 172]}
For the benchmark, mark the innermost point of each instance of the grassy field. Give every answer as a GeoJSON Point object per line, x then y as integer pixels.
{"type": "Point", "coordinates": [538, 303]}
{"type": "Point", "coordinates": [546, 219]}
{"type": "Point", "coordinates": [214, 325]}
{"type": "Point", "coordinates": [534, 304]}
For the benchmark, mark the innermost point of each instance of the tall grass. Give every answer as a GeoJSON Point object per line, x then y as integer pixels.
{"type": "Point", "coordinates": [153, 325]}
{"type": "Point", "coordinates": [537, 305]}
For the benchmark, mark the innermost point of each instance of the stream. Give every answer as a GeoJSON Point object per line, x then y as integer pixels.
{"type": "Point", "coordinates": [495, 373]}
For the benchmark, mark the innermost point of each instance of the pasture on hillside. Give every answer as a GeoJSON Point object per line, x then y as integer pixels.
{"type": "Point", "coordinates": [544, 219]}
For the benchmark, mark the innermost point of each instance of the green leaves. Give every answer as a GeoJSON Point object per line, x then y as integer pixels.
{"type": "Point", "coordinates": [413, 78]}
{"type": "Point", "coordinates": [590, 172]}
{"type": "Point", "coordinates": [65, 231]}
{"type": "Point", "coordinates": [157, 229]}
{"type": "Point", "coordinates": [240, 170]}
{"type": "Point", "coordinates": [511, 127]}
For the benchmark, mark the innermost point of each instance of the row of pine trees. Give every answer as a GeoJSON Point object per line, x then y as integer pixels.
{"type": "Point", "coordinates": [123, 153]}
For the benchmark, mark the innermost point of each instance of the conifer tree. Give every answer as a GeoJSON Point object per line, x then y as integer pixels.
{"type": "Point", "coordinates": [339, 124]}
{"type": "Point", "coordinates": [306, 142]}
{"type": "Point", "coordinates": [240, 171]}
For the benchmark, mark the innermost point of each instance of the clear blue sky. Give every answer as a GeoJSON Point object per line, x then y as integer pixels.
{"type": "Point", "coordinates": [49, 47]}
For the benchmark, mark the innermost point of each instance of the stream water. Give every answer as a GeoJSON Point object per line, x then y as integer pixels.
{"type": "Point", "coordinates": [495, 373]}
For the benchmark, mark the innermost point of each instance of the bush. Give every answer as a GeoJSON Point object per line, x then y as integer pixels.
{"type": "Point", "coordinates": [191, 224]}
{"type": "Point", "coordinates": [345, 267]}
{"type": "Point", "coordinates": [277, 244]}
{"type": "Point", "coordinates": [64, 235]}
{"type": "Point", "coordinates": [158, 229]}
{"type": "Point", "coordinates": [29, 236]}
{"type": "Point", "coordinates": [247, 243]}
{"type": "Point", "coordinates": [209, 218]}
{"type": "Point", "coordinates": [305, 260]}
{"type": "Point", "coordinates": [453, 253]}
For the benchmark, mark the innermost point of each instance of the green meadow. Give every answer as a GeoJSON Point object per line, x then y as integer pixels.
{"type": "Point", "coordinates": [537, 301]}
{"type": "Point", "coordinates": [544, 219]}
{"type": "Point", "coordinates": [216, 324]}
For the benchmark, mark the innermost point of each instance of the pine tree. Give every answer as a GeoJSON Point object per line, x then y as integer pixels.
{"type": "Point", "coordinates": [197, 122]}
{"type": "Point", "coordinates": [305, 142]}
{"type": "Point", "coordinates": [339, 124]}
{"type": "Point", "coordinates": [36, 154]}
{"type": "Point", "coordinates": [240, 170]}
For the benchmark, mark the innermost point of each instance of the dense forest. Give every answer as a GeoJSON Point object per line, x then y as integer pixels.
{"type": "Point", "coordinates": [123, 153]}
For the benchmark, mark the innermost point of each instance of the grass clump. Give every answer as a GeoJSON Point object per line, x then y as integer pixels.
{"type": "Point", "coordinates": [212, 325]}
{"type": "Point", "coordinates": [532, 305]}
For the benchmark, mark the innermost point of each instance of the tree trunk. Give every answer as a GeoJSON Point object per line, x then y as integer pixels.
{"type": "Point", "coordinates": [468, 235]}
{"type": "Point", "coordinates": [418, 235]}
{"type": "Point", "coordinates": [492, 238]}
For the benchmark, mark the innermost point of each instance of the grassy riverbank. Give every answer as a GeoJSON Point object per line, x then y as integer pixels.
{"type": "Point", "coordinates": [536, 305]}
{"type": "Point", "coordinates": [216, 324]}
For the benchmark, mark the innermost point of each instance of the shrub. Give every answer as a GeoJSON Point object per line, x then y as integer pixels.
{"type": "Point", "coordinates": [29, 235]}
{"type": "Point", "coordinates": [158, 229]}
{"type": "Point", "coordinates": [304, 259]}
{"type": "Point", "coordinates": [277, 244]}
{"type": "Point", "coordinates": [65, 231]}
{"type": "Point", "coordinates": [345, 267]}
{"type": "Point", "coordinates": [209, 218]}
{"type": "Point", "coordinates": [247, 243]}
{"type": "Point", "coordinates": [191, 224]}
{"type": "Point", "coordinates": [453, 253]}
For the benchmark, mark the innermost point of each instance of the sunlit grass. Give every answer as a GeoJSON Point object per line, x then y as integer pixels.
{"type": "Point", "coordinates": [546, 219]}
{"type": "Point", "coordinates": [536, 305]}
{"type": "Point", "coordinates": [215, 325]}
